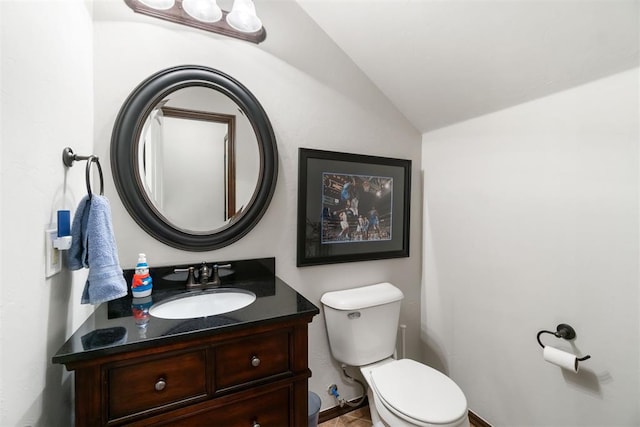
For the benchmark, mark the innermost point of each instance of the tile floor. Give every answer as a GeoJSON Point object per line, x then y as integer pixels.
{"type": "Point", "coordinates": [357, 418]}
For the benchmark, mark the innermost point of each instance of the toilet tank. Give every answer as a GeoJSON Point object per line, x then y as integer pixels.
{"type": "Point", "coordinates": [362, 322]}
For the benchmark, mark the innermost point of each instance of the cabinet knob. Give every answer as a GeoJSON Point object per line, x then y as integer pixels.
{"type": "Point", "coordinates": [255, 361]}
{"type": "Point", "coordinates": [161, 384]}
{"type": "Point", "coordinates": [255, 424]}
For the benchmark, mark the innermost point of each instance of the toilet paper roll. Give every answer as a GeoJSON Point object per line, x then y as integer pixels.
{"type": "Point", "coordinates": [561, 358]}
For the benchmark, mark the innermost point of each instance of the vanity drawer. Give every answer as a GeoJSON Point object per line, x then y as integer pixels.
{"type": "Point", "coordinates": [271, 409]}
{"type": "Point", "coordinates": [153, 383]}
{"type": "Point", "coordinates": [252, 359]}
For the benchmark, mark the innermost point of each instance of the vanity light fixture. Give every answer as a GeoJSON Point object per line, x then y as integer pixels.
{"type": "Point", "coordinates": [241, 22]}
{"type": "Point", "coordinates": [243, 17]}
{"type": "Point", "coordinates": [203, 10]}
{"type": "Point", "coordinates": [159, 4]}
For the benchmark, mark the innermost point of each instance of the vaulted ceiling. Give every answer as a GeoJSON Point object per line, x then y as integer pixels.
{"type": "Point", "coordinates": [446, 61]}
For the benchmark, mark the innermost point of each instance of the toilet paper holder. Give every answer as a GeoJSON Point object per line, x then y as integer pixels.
{"type": "Point", "coordinates": [562, 331]}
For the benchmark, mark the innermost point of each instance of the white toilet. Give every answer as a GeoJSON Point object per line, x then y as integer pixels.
{"type": "Point", "coordinates": [362, 325]}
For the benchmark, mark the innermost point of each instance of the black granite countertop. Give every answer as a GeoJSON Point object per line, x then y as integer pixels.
{"type": "Point", "coordinates": [123, 325]}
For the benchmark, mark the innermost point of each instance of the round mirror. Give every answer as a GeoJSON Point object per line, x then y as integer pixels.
{"type": "Point", "coordinates": [194, 158]}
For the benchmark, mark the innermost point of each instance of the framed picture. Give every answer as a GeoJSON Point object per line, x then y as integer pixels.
{"type": "Point", "coordinates": [351, 207]}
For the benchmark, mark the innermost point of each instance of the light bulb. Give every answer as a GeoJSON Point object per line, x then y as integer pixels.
{"type": "Point", "coordinates": [243, 17]}
{"type": "Point", "coordinates": [203, 10]}
{"type": "Point", "coordinates": [158, 4]}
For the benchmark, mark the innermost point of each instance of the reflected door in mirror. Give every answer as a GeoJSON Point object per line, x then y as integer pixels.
{"type": "Point", "coordinates": [189, 155]}
{"type": "Point", "coordinates": [187, 160]}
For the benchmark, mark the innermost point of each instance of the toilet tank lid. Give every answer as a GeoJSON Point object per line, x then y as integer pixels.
{"type": "Point", "coordinates": [362, 297]}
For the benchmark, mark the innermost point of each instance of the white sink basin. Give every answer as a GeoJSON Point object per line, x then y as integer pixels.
{"type": "Point", "coordinates": [203, 304]}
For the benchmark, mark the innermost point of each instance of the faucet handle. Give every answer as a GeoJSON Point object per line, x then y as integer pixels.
{"type": "Point", "coordinates": [215, 281]}
{"type": "Point", "coordinates": [191, 280]}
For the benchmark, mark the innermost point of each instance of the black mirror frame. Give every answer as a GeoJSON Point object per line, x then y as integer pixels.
{"type": "Point", "coordinates": [124, 156]}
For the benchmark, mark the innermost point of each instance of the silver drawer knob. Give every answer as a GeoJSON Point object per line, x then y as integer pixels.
{"type": "Point", "coordinates": [161, 384]}
{"type": "Point", "coordinates": [255, 424]}
{"type": "Point", "coordinates": [255, 361]}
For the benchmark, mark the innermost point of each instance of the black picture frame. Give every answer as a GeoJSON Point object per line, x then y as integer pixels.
{"type": "Point", "coordinates": [351, 207]}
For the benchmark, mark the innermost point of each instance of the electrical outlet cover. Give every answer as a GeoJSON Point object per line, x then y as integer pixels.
{"type": "Point", "coordinates": [53, 257]}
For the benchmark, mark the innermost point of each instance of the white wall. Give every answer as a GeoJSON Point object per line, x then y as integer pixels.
{"type": "Point", "coordinates": [46, 105]}
{"type": "Point", "coordinates": [315, 97]}
{"type": "Point", "coordinates": [531, 220]}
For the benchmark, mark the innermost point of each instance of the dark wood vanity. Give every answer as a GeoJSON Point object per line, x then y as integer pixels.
{"type": "Point", "coordinates": [250, 377]}
{"type": "Point", "coordinates": [245, 368]}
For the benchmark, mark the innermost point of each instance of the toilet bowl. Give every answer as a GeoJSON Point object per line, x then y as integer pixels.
{"type": "Point", "coordinates": [406, 393]}
{"type": "Point", "coordinates": [362, 325]}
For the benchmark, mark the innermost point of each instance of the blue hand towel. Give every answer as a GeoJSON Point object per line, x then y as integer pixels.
{"type": "Point", "coordinates": [77, 254]}
{"type": "Point", "coordinates": [94, 246]}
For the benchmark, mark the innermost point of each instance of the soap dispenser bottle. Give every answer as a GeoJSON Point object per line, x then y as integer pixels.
{"type": "Point", "coordinates": [142, 283]}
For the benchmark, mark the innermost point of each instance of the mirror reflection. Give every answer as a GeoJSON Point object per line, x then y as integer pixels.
{"type": "Point", "coordinates": [198, 159]}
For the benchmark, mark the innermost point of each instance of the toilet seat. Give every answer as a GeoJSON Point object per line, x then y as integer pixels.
{"type": "Point", "coordinates": [418, 394]}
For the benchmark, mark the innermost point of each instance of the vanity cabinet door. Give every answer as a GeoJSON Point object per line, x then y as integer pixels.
{"type": "Point", "coordinates": [154, 383]}
{"type": "Point", "coordinates": [252, 358]}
